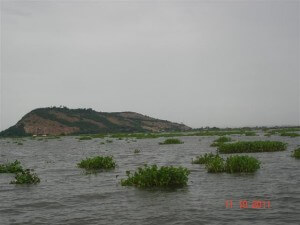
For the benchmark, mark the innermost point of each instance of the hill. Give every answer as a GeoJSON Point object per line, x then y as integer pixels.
{"type": "Point", "coordinates": [65, 121]}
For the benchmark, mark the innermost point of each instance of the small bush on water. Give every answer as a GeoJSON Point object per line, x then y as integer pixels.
{"type": "Point", "coordinates": [254, 146]}
{"type": "Point", "coordinates": [171, 141]}
{"type": "Point", "coordinates": [14, 167]}
{"type": "Point", "coordinates": [152, 176]}
{"type": "Point", "coordinates": [296, 153]}
{"type": "Point", "coordinates": [203, 159]}
{"type": "Point", "coordinates": [25, 177]}
{"type": "Point", "coordinates": [238, 164]}
{"type": "Point", "coordinates": [98, 162]}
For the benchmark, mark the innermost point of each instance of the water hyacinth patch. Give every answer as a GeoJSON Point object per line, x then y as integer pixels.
{"type": "Point", "coordinates": [296, 153]}
{"type": "Point", "coordinates": [215, 165]}
{"type": "Point", "coordinates": [203, 159]}
{"type": "Point", "coordinates": [26, 177]}
{"type": "Point", "coordinates": [220, 141]}
{"type": "Point", "coordinates": [254, 146]}
{"type": "Point", "coordinates": [238, 164]}
{"type": "Point", "coordinates": [171, 141]}
{"type": "Point", "coordinates": [97, 162]}
{"type": "Point", "coordinates": [152, 176]}
{"type": "Point", "coordinates": [289, 134]}
{"type": "Point", "coordinates": [83, 138]}
{"type": "Point", "coordinates": [136, 151]}
{"type": "Point", "coordinates": [14, 167]}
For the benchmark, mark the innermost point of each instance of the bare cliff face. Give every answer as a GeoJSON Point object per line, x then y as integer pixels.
{"type": "Point", "coordinates": [64, 121]}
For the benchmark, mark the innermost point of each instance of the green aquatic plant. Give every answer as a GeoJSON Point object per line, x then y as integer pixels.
{"type": "Point", "coordinates": [26, 177]}
{"type": "Point", "coordinates": [215, 165]}
{"type": "Point", "coordinates": [238, 164]}
{"type": "Point", "coordinates": [296, 153]}
{"type": "Point", "coordinates": [220, 141]}
{"type": "Point", "coordinates": [289, 134]}
{"type": "Point", "coordinates": [83, 138]}
{"type": "Point", "coordinates": [252, 146]}
{"type": "Point", "coordinates": [171, 141]}
{"type": "Point", "coordinates": [109, 141]}
{"type": "Point", "coordinates": [14, 167]}
{"type": "Point", "coordinates": [136, 151]}
{"type": "Point", "coordinates": [250, 133]}
{"type": "Point", "coordinates": [203, 159]}
{"type": "Point", "coordinates": [97, 162]}
{"type": "Point", "coordinates": [152, 176]}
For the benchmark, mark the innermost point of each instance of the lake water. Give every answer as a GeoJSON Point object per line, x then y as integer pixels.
{"type": "Point", "coordinates": [66, 195]}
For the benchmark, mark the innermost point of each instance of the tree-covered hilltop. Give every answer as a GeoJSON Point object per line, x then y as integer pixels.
{"type": "Point", "coordinates": [65, 121]}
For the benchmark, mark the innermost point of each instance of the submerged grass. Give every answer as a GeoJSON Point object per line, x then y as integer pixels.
{"type": "Point", "coordinates": [171, 141]}
{"type": "Point", "coordinates": [152, 176]}
{"type": "Point", "coordinates": [97, 162]}
{"type": "Point", "coordinates": [13, 167]}
{"type": "Point", "coordinates": [254, 146]}
{"type": "Point", "coordinates": [296, 153]}
{"type": "Point", "coordinates": [26, 177]}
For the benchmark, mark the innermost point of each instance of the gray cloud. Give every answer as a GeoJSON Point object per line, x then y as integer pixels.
{"type": "Point", "coordinates": [198, 62]}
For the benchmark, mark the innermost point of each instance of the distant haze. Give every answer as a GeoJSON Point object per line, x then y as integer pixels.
{"type": "Point", "coordinates": [203, 63]}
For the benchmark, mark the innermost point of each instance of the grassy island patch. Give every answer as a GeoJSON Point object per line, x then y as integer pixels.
{"type": "Point", "coordinates": [26, 177]}
{"type": "Point", "coordinates": [171, 141]}
{"type": "Point", "coordinates": [152, 176]}
{"type": "Point", "coordinates": [252, 146]}
{"type": "Point", "coordinates": [296, 153]}
{"type": "Point", "coordinates": [13, 167]}
{"type": "Point", "coordinates": [97, 162]}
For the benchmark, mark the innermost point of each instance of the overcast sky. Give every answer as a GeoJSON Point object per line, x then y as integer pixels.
{"type": "Point", "coordinates": [203, 63]}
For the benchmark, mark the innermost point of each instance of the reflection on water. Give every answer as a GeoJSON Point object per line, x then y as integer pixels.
{"type": "Point", "coordinates": [67, 196]}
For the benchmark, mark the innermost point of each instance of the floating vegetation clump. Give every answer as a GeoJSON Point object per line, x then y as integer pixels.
{"type": "Point", "coordinates": [97, 162]}
{"type": "Point", "coordinates": [83, 138]}
{"type": "Point", "coordinates": [171, 141]}
{"type": "Point", "coordinates": [136, 151]}
{"type": "Point", "coordinates": [233, 164]}
{"type": "Point", "coordinates": [220, 141]}
{"type": "Point", "coordinates": [152, 176]}
{"type": "Point", "coordinates": [252, 146]}
{"type": "Point", "coordinates": [14, 167]}
{"type": "Point", "coordinates": [26, 177]}
{"type": "Point", "coordinates": [204, 159]}
{"type": "Point", "coordinates": [296, 153]}
{"type": "Point", "coordinates": [289, 134]}
{"type": "Point", "coordinates": [250, 133]}
{"type": "Point", "coordinates": [241, 164]}
{"type": "Point", "coordinates": [215, 165]}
